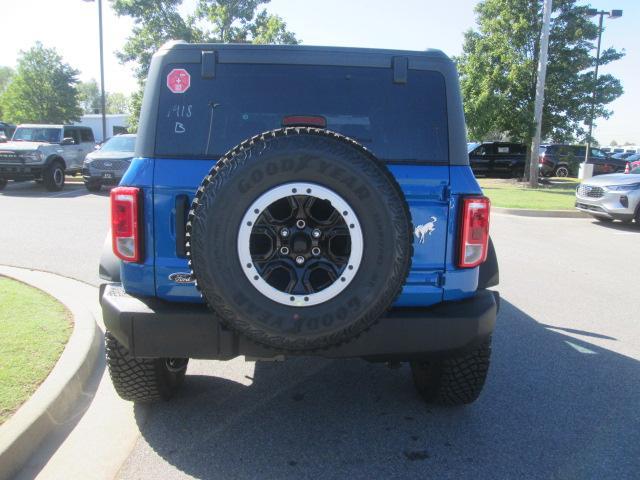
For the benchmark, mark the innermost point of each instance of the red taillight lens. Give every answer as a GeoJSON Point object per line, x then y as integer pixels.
{"type": "Point", "coordinates": [304, 121]}
{"type": "Point", "coordinates": [627, 168]}
{"type": "Point", "coordinates": [124, 223]}
{"type": "Point", "coordinates": [474, 231]}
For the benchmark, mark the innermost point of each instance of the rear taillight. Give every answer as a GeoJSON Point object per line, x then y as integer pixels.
{"type": "Point", "coordinates": [627, 168]}
{"type": "Point", "coordinates": [541, 158]}
{"type": "Point", "coordinates": [474, 231]}
{"type": "Point", "coordinates": [125, 232]}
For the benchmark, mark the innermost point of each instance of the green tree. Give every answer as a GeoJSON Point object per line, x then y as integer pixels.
{"type": "Point", "coordinates": [89, 96]}
{"type": "Point", "coordinates": [238, 21]}
{"type": "Point", "coordinates": [498, 71]}
{"type": "Point", "coordinates": [42, 90]}
{"type": "Point", "coordinates": [613, 143]}
{"type": "Point", "coordinates": [117, 102]}
{"type": "Point", "coordinates": [158, 21]}
{"type": "Point", "coordinates": [6, 74]}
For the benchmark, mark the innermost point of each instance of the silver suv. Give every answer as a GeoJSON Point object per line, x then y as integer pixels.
{"type": "Point", "coordinates": [611, 197]}
{"type": "Point", "coordinates": [45, 153]}
{"type": "Point", "coordinates": [106, 166]}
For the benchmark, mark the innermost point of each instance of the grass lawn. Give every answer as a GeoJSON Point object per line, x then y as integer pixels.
{"type": "Point", "coordinates": [558, 195]}
{"type": "Point", "coordinates": [34, 329]}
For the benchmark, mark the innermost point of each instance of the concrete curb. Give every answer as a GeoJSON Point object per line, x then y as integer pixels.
{"type": "Point", "coordinates": [52, 402]}
{"type": "Point", "coordinates": [522, 212]}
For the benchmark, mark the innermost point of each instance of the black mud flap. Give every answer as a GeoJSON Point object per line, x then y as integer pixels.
{"type": "Point", "coordinates": [489, 275]}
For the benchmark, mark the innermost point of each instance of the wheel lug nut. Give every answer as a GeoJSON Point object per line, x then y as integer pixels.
{"type": "Point", "coordinates": [300, 224]}
{"type": "Point", "coordinates": [316, 233]}
{"type": "Point", "coordinates": [315, 251]}
{"type": "Point", "coordinates": [299, 259]}
{"type": "Point", "coordinates": [284, 232]}
{"type": "Point", "coordinates": [284, 250]}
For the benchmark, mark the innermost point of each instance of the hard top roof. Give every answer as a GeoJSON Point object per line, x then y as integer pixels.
{"type": "Point", "coordinates": [182, 45]}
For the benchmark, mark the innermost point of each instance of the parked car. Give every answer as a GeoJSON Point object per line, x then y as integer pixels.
{"type": "Point", "coordinates": [626, 149]}
{"type": "Point", "coordinates": [632, 162]}
{"type": "Point", "coordinates": [106, 166]}
{"type": "Point", "coordinates": [611, 197]}
{"type": "Point", "coordinates": [46, 153]}
{"type": "Point", "coordinates": [498, 158]}
{"type": "Point", "coordinates": [299, 240]}
{"type": "Point", "coordinates": [559, 160]}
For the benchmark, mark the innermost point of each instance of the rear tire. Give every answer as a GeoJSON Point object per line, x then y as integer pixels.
{"type": "Point", "coordinates": [143, 379]}
{"type": "Point", "coordinates": [53, 176]}
{"type": "Point", "coordinates": [262, 195]}
{"type": "Point", "coordinates": [453, 381]}
{"type": "Point", "coordinates": [3, 183]}
{"type": "Point", "coordinates": [561, 171]}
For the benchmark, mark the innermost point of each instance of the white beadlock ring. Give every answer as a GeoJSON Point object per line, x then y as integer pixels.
{"type": "Point", "coordinates": [283, 191]}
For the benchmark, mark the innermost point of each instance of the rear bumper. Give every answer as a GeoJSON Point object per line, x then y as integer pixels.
{"type": "Point", "coordinates": [155, 328]}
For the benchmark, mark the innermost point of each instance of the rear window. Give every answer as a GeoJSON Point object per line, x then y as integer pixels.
{"type": "Point", "coordinates": [402, 122]}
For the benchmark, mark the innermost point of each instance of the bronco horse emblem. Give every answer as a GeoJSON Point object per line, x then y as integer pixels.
{"type": "Point", "coordinates": [425, 229]}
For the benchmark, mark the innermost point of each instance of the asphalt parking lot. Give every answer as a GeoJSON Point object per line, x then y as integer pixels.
{"type": "Point", "coordinates": [561, 399]}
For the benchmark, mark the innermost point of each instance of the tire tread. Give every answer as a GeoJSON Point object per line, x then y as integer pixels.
{"type": "Point", "coordinates": [456, 380]}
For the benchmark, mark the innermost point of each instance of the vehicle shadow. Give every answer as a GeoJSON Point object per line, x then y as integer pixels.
{"type": "Point", "coordinates": [620, 226]}
{"type": "Point", "coordinates": [37, 190]}
{"type": "Point", "coordinates": [554, 407]}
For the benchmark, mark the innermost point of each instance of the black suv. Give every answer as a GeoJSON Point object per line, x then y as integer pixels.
{"type": "Point", "coordinates": [558, 160]}
{"type": "Point", "coordinates": [497, 158]}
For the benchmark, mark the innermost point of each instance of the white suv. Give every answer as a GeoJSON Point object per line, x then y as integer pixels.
{"type": "Point", "coordinates": [46, 153]}
{"type": "Point", "coordinates": [611, 197]}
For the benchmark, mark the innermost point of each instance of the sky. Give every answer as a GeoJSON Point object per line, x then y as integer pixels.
{"type": "Point", "coordinates": [71, 26]}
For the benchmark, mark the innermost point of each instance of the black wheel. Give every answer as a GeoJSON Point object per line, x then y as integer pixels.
{"type": "Point", "coordinates": [93, 186]}
{"type": "Point", "coordinates": [453, 381]}
{"type": "Point", "coordinates": [276, 239]}
{"type": "Point", "coordinates": [53, 176]}
{"type": "Point", "coordinates": [636, 217]}
{"type": "Point", "coordinates": [561, 171]}
{"type": "Point", "coordinates": [517, 173]}
{"type": "Point", "coordinates": [143, 379]}
{"type": "Point", "coordinates": [3, 183]}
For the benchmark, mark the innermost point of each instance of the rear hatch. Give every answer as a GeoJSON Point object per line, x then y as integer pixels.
{"type": "Point", "coordinates": [399, 114]}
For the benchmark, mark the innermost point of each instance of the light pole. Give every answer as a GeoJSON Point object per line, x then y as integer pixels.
{"type": "Point", "coordinates": [613, 14]}
{"type": "Point", "coordinates": [539, 102]}
{"type": "Point", "coordinates": [103, 102]}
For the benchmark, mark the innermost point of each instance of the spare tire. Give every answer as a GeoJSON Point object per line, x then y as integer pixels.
{"type": "Point", "coordinates": [299, 239]}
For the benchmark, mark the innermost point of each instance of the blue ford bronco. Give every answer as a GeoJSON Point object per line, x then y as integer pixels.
{"type": "Point", "coordinates": [294, 200]}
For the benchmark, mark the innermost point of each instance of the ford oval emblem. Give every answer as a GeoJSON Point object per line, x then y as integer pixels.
{"type": "Point", "coordinates": [182, 277]}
